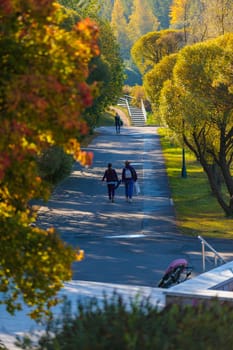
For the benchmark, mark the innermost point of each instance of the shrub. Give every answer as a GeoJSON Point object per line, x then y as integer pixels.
{"type": "Point", "coordinates": [54, 165]}
{"type": "Point", "coordinates": [138, 324]}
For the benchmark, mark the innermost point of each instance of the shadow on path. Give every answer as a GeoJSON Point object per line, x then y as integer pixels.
{"type": "Point", "coordinates": [128, 243]}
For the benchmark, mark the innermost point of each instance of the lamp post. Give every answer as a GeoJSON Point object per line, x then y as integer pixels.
{"type": "Point", "coordinates": [183, 170]}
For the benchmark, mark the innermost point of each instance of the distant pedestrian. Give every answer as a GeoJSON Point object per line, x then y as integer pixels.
{"type": "Point", "coordinates": [129, 176]}
{"type": "Point", "coordinates": [110, 175]}
{"type": "Point", "coordinates": [117, 123]}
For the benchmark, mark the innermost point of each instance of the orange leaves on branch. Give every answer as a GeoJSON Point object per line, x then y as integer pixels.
{"type": "Point", "coordinates": [21, 128]}
{"type": "Point", "coordinates": [83, 127]}
{"type": "Point", "coordinates": [79, 255]}
{"type": "Point", "coordinates": [89, 31]}
{"type": "Point", "coordinates": [83, 157]}
{"type": "Point", "coordinates": [56, 85]}
{"type": "Point", "coordinates": [85, 93]}
{"type": "Point", "coordinates": [73, 146]}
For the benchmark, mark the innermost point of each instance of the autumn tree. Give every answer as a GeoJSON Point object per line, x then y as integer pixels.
{"type": "Point", "coordinates": [152, 47]}
{"type": "Point", "coordinates": [43, 93]}
{"type": "Point", "coordinates": [197, 104]}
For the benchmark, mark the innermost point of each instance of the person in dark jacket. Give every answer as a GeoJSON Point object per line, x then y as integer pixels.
{"type": "Point", "coordinates": [110, 175]}
{"type": "Point", "coordinates": [129, 176]}
{"type": "Point", "coordinates": [117, 123]}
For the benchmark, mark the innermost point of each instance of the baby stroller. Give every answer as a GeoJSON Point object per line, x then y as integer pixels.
{"type": "Point", "coordinates": [178, 271]}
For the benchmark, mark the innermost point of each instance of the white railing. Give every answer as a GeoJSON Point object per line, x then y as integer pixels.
{"type": "Point", "coordinates": [128, 107]}
{"type": "Point", "coordinates": [144, 111]}
{"type": "Point", "coordinates": [125, 101]}
{"type": "Point", "coordinates": [217, 256]}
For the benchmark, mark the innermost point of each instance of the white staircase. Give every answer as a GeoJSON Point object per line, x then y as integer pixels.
{"type": "Point", "coordinates": [137, 115]}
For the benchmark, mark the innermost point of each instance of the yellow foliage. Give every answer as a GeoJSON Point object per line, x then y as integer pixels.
{"type": "Point", "coordinates": [178, 11]}
{"type": "Point", "coordinates": [80, 255]}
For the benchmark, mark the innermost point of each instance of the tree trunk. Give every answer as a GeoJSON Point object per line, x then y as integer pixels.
{"type": "Point", "coordinates": [216, 171]}
{"type": "Point", "coordinates": [228, 209]}
{"type": "Point", "coordinates": [213, 178]}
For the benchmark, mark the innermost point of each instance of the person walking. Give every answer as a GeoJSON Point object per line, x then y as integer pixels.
{"type": "Point", "coordinates": [117, 123]}
{"type": "Point", "coordinates": [129, 176]}
{"type": "Point", "coordinates": [111, 177]}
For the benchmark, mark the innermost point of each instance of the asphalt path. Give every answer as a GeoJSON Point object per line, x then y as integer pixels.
{"type": "Point", "coordinates": [124, 243]}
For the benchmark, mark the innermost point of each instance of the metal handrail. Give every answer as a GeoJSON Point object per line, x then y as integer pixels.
{"type": "Point", "coordinates": [216, 254]}
{"type": "Point", "coordinates": [127, 104]}
{"type": "Point", "coordinates": [143, 110]}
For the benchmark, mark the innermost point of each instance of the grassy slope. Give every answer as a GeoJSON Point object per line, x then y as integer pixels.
{"type": "Point", "coordinates": [198, 212]}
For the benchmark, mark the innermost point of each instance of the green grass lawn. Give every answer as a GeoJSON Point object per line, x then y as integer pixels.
{"type": "Point", "coordinates": [198, 212]}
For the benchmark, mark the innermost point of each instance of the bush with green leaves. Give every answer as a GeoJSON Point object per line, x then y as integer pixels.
{"type": "Point", "coordinates": [138, 325]}
{"type": "Point", "coordinates": [55, 165]}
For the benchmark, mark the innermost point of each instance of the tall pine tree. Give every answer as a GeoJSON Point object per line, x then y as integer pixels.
{"type": "Point", "coordinates": [141, 21]}
{"type": "Point", "coordinates": [119, 25]}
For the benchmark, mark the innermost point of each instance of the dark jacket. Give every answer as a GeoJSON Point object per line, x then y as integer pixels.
{"type": "Point", "coordinates": [110, 175]}
{"type": "Point", "coordinates": [133, 173]}
{"type": "Point", "coordinates": [117, 120]}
